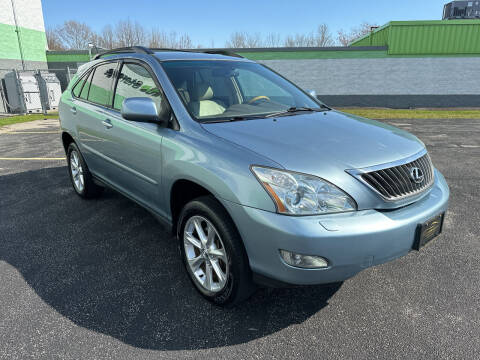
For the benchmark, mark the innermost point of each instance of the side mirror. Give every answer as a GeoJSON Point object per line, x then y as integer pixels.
{"type": "Point", "coordinates": [312, 93]}
{"type": "Point", "coordinates": [144, 109]}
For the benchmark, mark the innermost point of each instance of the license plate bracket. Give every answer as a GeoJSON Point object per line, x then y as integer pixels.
{"type": "Point", "coordinates": [427, 231]}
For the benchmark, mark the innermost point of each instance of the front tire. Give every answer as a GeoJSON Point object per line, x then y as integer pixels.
{"type": "Point", "coordinates": [80, 176]}
{"type": "Point", "coordinates": [213, 252]}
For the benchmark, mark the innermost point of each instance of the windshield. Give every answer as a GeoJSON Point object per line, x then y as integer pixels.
{"type": "Point", "coordinates": [234, 90]}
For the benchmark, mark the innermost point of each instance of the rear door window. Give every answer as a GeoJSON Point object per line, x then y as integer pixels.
{"type": "Point", "coordinates": [101, 84]}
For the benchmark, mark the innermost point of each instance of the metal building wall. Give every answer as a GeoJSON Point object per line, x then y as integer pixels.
{"type": "Point", "coordinates": [31, 41]}
{"type": "Point", "coordinates": [437, 37]}
{"type": "Point", "coordinates": [26, 48]}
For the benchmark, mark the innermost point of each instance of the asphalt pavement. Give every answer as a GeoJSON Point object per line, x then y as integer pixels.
{"type": "Point", "coordinates": [95, 279]}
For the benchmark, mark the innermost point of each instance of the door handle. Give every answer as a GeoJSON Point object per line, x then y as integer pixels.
{"type": "Point", "coordinates": [73, 110]}
{"type": "Point", "coordinates": [107, 123]}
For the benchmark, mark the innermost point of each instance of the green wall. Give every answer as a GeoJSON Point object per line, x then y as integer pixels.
{"type": "Point", "coordinates": [437, 37]}
{"type": "Point", "coordinates": [34, 43]}
{"type": "Point", "coordinates": [65, 56]}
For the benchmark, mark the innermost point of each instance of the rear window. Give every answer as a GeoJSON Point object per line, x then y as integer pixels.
{"type": "Point", "coordinates": [101, 85]}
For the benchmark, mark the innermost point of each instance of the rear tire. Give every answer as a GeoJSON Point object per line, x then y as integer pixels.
{"type": "Point", "coordinates": [80, 176]}
{"type": "Point", "coordinates": [217, 253]}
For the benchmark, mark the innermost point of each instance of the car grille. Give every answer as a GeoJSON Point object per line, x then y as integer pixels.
{"type": "Point", "coordinates": [398, 182]}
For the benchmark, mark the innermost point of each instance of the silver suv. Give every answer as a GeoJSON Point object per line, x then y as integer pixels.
{"type": "Point", "coordinates": [260, 182]}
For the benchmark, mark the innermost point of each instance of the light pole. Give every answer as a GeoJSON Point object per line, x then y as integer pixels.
{"type": "Point", "coordinates": [90, 47]}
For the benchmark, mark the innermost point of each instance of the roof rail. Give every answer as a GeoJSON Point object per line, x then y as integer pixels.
{"type": "Point", "coordinates": [130, 49]}
{"type": "Point", "coordinates": [150, 51]}
{"type": "Point", "coordinates": [221, 52]}
{"type": "Point", "coordinates": [169, 49]}
{"type": "Point", "coordinates": [205, 51]}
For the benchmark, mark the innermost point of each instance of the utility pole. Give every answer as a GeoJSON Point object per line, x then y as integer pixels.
{"type": "Point", "coordinates": [19, 38]}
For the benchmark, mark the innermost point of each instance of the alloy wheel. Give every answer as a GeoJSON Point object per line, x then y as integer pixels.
{"type": "Point", "coordinates": [77, 171]}
{"type": "Point", "coordinates": [205, 254]}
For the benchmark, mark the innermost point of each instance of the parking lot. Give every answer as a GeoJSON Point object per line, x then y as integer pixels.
{"type": "Point", "coordinates": [103, 279]}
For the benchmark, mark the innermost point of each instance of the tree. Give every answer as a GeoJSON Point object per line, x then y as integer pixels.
{"type": "Point", "coordinates": [106, 39]}
{"type": "Point", "coordinates": [238, 39]}
{"type": "Point", "coordinates": [320, 37]}
{"type": "Point", "coordinates": [129, 34]}
{"type": "Point", "coordinates": [53, 39]}
{"type": "Point", "coordinates": [273, 40]}
{"type": "Point", "coordinates": [184, 42]}
{"type": "Point", "coordinates": [157, 39]}
{"type": "Point", "coordinates": [323, 36]}
{"type": "Point", "coordinates": [254, 40]}
{"type": "Point", "coordinates": [75, 35]}
{"type": "Point", "coordinates": [345, 38]}
{"type": "Point", "coordinates": [160, 39]}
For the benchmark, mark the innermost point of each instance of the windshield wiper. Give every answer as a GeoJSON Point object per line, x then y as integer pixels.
{"type": "Point", "coordinates": [295, 109]}
{"type": "Point", "coordinates": [290, 110]}
{"type": "Point", "coordinates": [234, 118]}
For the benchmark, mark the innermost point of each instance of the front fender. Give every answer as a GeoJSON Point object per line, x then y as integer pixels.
{"type": "Point", "coordinates": [217, 165]}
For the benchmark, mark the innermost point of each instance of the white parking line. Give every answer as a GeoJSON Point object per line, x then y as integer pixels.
{"type": "Point", "coordinates": [30, 132]}
{"type": "Point", "coordinates": [32, 159]}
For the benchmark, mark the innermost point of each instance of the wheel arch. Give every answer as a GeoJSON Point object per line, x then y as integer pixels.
{"type": "Point", "coordinates": [67, 139]}
{"type": "Point", "coordinates": [184, 190]}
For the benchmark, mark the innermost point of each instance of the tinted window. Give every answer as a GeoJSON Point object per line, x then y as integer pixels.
{"type": "Point", "coordinates": [86, 87]}
{"type": "Point", "coordinates": [78, 87]}
{"type": "Point", "coordinates": [100, 88]}
{"type": "Point", "coordinates": [135, 81]}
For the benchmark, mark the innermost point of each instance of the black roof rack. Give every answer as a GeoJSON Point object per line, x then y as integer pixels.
{"type": "Point", "coordinates": [130, 49]}
{"type": "Point", "coordinates": [221, 52]}
{"type": "Point", "coordinates": [205, 51]}
{"type": "Point", "coordinates": [150, 51]}
{"type": "Point", "coordinates": [169, 49]}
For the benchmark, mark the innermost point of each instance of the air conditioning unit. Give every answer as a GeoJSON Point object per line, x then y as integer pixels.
{"type": "Point", "coordinates": [50, 90]}
{"type": "Point", "coordinates": [23, 92]}
{"type": "Point", "coordinates": [461, 10]}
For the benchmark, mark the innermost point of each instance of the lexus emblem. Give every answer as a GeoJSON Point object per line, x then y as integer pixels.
{"type": "Point", "coordinates": [416, 174]}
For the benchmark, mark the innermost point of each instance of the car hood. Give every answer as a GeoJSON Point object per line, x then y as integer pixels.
{"type": "Point", "coordinates": [316, 142]}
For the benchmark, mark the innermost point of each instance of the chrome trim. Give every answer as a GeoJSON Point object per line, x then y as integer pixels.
{"type": "Point", "coordinates": [396, 169]}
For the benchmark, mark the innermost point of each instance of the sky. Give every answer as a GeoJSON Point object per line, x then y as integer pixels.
{"type": "Point", "coordinates": [210, 23]}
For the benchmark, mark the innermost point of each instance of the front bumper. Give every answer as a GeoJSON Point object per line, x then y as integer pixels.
{"type": "Point", "coordinates": [350, 242]}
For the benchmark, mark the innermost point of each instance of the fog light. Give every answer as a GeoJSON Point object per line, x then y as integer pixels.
{"type": "Point", "coordinates": [303, 261]}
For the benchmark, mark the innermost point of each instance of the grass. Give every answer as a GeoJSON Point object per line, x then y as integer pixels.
{"type": "Point", "coordinates": [24, 118]}
{"type": "Point", "coordinates": [371, 113]}
{"type": "Point", "coordinates": [382, 113]}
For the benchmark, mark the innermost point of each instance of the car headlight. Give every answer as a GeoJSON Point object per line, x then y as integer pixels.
{"type": "Point", "coordinates": [301, 194]}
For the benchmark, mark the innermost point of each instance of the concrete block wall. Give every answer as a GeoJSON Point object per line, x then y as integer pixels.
{"type": "Point", "coordinates": [391, 81]}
